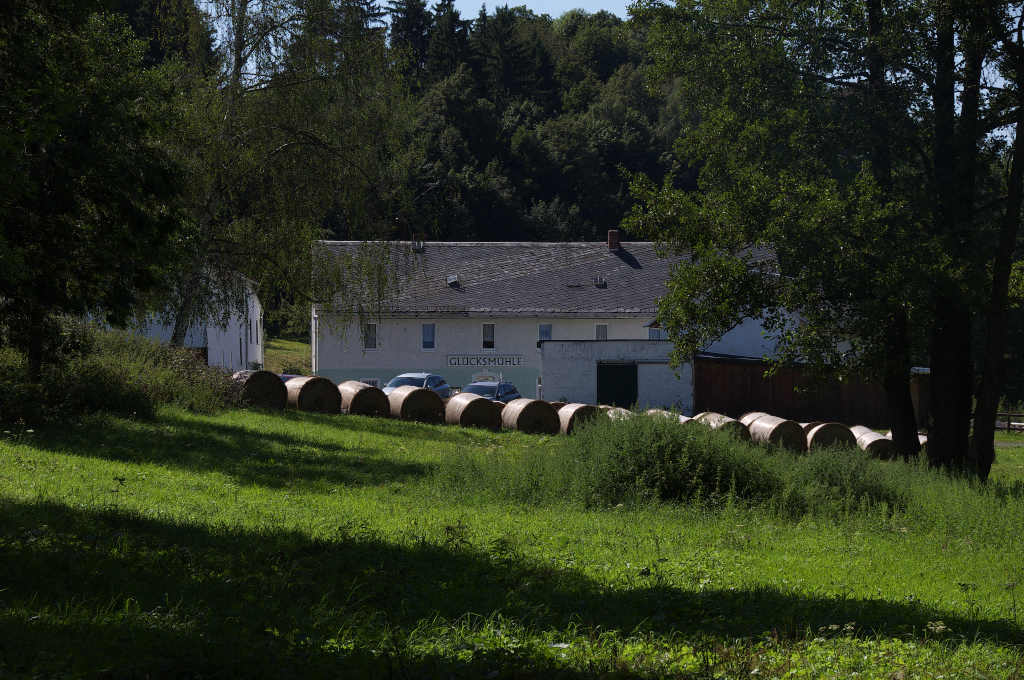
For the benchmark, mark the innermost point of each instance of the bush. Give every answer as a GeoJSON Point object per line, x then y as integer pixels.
{"type": "Point", "coordinates": [653, 459]}
{"type": "Point", "coordinates": [94, 370]}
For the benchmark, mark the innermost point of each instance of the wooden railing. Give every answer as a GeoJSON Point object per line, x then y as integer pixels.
{"type": "Point", "coordinates": [1006, 420]}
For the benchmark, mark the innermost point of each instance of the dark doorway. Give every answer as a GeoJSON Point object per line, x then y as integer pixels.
{"type": "Point", "coordinates": [617, 385]}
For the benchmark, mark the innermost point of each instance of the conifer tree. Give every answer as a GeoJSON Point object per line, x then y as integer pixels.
{"type": "Point", "coordinates": [449, 42]}
{"type": "Point", "coordinates": [410, 29]}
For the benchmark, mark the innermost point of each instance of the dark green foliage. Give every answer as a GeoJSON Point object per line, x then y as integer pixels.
{"type": "Point", "coordinates": [522, 125]}
{"type": "Point", "coordinates": [90, 370]}
{"type": "Point", "coordinates": [410, 27]}
{"type": "Point", "coordinates": [173, 29]}
{"type": "Point", "coordinates": [86, 184]}
{"type": "Point", "coordinates": [449, 42]}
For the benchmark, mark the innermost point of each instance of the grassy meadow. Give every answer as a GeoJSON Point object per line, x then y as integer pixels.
{"type": "Point", "coordinates": [251, 543]}
{"type": "Point", "coordinates": [287, 355]}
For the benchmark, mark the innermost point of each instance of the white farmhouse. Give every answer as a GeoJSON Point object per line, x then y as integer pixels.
{"type": "Point", "coordinates": [484, 311]}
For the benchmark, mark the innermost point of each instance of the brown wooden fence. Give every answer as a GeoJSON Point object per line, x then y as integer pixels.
{"type": "Point", "coordinates": [737, 386]}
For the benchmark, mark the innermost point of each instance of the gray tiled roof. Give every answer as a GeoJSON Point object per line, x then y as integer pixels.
{"type": "Point", "coordinates": [528, 279]}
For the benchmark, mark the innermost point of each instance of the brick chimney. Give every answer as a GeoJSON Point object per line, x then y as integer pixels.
{"type": "Point", "coordinates": [613, 239]}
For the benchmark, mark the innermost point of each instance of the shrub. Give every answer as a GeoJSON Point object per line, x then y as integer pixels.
{"type": "Point", "coordinates": [653, 459]}
{"type": "Point", "coordinates": [95, 370]}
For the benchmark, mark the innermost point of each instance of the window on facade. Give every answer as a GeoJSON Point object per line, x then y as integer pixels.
{"type": "Point", "coordinates": [370, 336]}
{"type": "Point", "coordinates": [601, 331]}
{"type": "Point", "coordinates": [372, 382]}
{"type": "Point", "coordinates": [488, 336]}
{"type": "Point", "coordinates": [657, 334]}
{"type": "Point", "coordinates": [428, 336]}
{"type": "Point", "coordinates": [544, 331]}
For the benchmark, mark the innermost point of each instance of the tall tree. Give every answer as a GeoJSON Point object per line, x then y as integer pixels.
{"type": "Point", "coordinates": [410, 30]}
{"type": "Point", "coordinates": [87, 187]}
{"type": "Point", "coordinates": [449, 42]}
{"type": "Point", "coordinates": [267, 145]}
{"type": "Point", "coordinates": [810, 139]}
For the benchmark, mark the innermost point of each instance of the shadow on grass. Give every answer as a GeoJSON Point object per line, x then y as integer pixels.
{"type": "Point", "coordinates": [94, 591]}
{"type": "Point", "coordinates": [253, 454]}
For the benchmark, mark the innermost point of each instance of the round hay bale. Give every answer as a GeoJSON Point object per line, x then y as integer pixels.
{"type": "Point", "coordinates": [748, 418]}
{"type": "Point", "coordinates": [717, 421]}
{"type": "Point", "coordinates": [500, 405]}
{"type": "Point", "coordinates": [472, 410]}
{"type": "Point", "coordinates": [531, 416]}
{"type": "Point", "coordinates": [314, 394]}
{"type": "Point", "coordinates": [417, 404]}
{"type": "Point", "coordinates": [361, 399]}
{"type": "Point", "coordinates": [262, 388]}
{"type": "Point", "coordinates": [876, 445]}
{"type": "Point", "coordinates": [571, 415]}
{"type": "Point", "coordinates": [860, 430]}
{"type": "Point", "coordinates": [557, 405]}
{"type": "Point", "coordinates": [827, 434]}
{"type": "Point", "coordinates": [616, 413]}
{"type": "Point", "coordinates": [772, 430]}
{"type": "Point", "coordinates": [810, 426]}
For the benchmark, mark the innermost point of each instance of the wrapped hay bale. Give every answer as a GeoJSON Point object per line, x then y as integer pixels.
{"type": "Point", "coordinates": [557, 405]}
{"type": "Point", "coordinates": [859, 430]}
{"type": "Point", "coordinates": [810, 426]}
{"type": "Point", "coordinates": [361, 399]}
{"type": "Point", "coordinates": [748, 418]}
{"type": "Point", "coordinates": [262, 388]}
{"type": "Point", "coordinates": [778, 431]}
{"type": "Point", "coordinates": [659, 412]}
{"type": "Point", "coordinates": [472, 410]}
{"type": "Point", "coordinates": [876, 445]}
{"type": "Point", "coordinates": [417, 404]}
{"type": "Point", "coordinates": [571, 415]}
{"type": "Point", "coordinates": [616, 413]}
{"type": "Point", "coordinates": [314, 394]}
{"type": "Point", "coordinates": [827, 434]}
{"type": "Point", "coordinates": [717, 421]}
{"type": "Point", "coordinates": [531, 416]}
{"type": "Point", "coordinates": [687, 420]}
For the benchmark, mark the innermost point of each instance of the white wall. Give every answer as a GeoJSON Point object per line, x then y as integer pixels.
{"type": "Point", "coordinates": [745, 341]}
{"type": "Point", "coordinates": [233, 347]}
{"type": "Point", "coordinates": [400, 347]}
{"type": "Point", "coordinates": [241, 342]}
{"type": "Point", "coordinates": [570, 372]}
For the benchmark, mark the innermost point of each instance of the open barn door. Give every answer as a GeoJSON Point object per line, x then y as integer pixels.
{"type": "Point", "coordinates": [617, 385]}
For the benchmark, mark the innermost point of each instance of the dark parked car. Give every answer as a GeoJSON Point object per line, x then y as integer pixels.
{"type": "Point", "coordinates": [495, 391]}
{"type": "Point", "coordinates": [428, 380]}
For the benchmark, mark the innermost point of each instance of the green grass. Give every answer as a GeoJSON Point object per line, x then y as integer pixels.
{"type": "Point", "coordinates": [282, 355]}
{"type": "Point", "coordinates": [287, 544]}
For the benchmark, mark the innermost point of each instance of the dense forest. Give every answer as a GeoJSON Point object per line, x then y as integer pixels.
{"type": "Point", "coordinates": [514, 126]}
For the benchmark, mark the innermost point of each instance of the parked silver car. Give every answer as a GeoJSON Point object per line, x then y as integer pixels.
{"type": "Point", "coordinates": [495, 391]}
{"type": "Point", "coordinates": [431, 381]}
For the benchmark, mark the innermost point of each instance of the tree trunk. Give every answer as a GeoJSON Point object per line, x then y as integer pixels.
{"type": "Point", "coordinates": [896, 380]}
{"type": "Point", "coordinates": [951, 372]}
{"type": "Point", "coordinates": [983, 452]}
{"type": "Point", "coordinates": [902, 418]}
{"type": "Point", "coordinates": [35, 346]}
{"type": "Point", "coordinates": [949, 420]}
